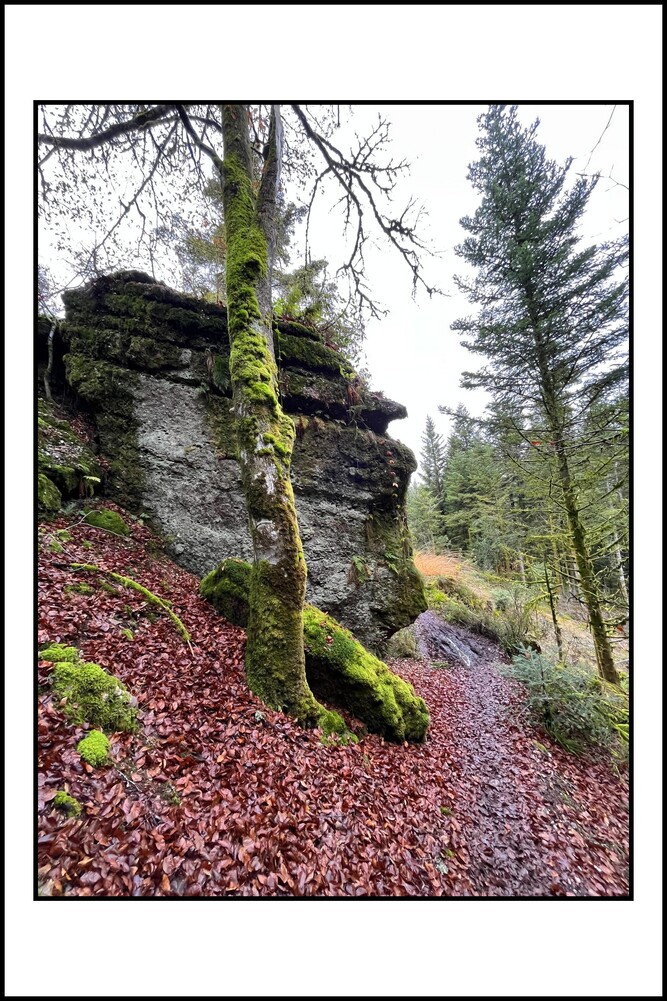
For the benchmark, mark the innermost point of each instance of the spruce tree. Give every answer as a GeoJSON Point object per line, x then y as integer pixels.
{"type": "Point", "coordinates": [552, 319]}
{"type": "Point", "coordinates": [433, 460]}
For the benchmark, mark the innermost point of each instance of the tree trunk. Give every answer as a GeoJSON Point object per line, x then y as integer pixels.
{"type": "Point", "coordinates": [587, 579]}
{"type": "Point", "coordinates": [553, 598]}
{"type": "Point", "coordinates": [275, 662]}
{"type": "Point", "coordinates": [49, 367]}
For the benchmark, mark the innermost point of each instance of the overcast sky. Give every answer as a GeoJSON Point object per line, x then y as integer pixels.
{"type": "Point", "coordinates": [412, 354]}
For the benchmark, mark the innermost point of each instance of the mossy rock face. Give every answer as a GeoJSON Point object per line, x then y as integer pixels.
{"type": "Point", "coordinates": [152, 369]}
{"type": "Point", "coordinates": [109, 520]}
{"type": "Point", "coordinates": [338, 667]}
{"type": "Point", "coordinates": [63, 459]}
{"type": "Point", "coordinates": [68, 804]}
{"type": "Point", "coordinates": [93, 696]}
{"type": "Point", "coordinates": [94, 749]}
{"type": "Point", "coordinates": [48, 495]}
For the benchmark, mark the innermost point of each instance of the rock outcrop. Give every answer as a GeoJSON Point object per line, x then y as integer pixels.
{"type": "Point", "coordinates": [151, 367]}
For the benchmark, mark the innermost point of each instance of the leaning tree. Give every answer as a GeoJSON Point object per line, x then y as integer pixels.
{"type": "Point", "coordinates": [552, 319]}
{"type": "Point", "coordinates": [82, 147]}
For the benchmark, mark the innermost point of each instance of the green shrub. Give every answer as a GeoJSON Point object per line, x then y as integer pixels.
{"type": "Point", "coordinates": [572, 705]}
{"type": "Point", "coordinates": [459, 605]}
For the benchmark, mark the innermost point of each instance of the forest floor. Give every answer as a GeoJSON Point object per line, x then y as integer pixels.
{"type": "Point", "coordinates": [216, 795]}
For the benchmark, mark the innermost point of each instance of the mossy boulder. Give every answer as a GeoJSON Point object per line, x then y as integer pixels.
{"type": "Point", "coordinates": [48, 495]}
{"type": "Point", "coordinates": [339, 669]}
{"type": "Point", "coordinates": [94, 696]}
{"type": "Point", "coordinates": [109, 520]}
{"type": "Point", "coordinates": [65, 462]}
{"type": "Point", "coordinates": [68, 804]}
{"type": "Point", "coordinates": [94, 748]}
{"type": "Point", "coordinates": [151, 369]}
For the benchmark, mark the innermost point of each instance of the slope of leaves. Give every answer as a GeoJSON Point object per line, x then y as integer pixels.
{"type": "Point", "coordinates": [216, 795]}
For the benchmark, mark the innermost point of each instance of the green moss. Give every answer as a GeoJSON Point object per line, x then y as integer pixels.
{"type": "Point", "coordinates": [62, 456]}
{"type": "Point", "coordinates": [55, 546]}
{"type": "Point", "coordinates": [109, 520]}
{"type": "Point", "coordinates": [127, 633]}
{"type": "Point", "coordinates": [94, 696]}
{"type": "Point", "coordinates": [107, 390]}
{"type": "Point", "coordinates": [222, 425]}
{"type": "Point", "coordinates": [94, 748]}
{"type": "Point", "coordinates": [154, 599]}
{"type": "Point", "coordinates": [227, 588]}
{"type": "Point", "coordinates": [58, 653]}
{"type": "Point", "coordinates": [48, 495]}
{"type": "Point", "coordinates": [338, 667]}
{"type": "Point", "coordinates": [68, 804]}
{"type": "Point", "coordinates": [457, 590]}
{"type": "Point", "coordinates": [308, 354]}
{"type": "Point", "coordinates": [80, 589]}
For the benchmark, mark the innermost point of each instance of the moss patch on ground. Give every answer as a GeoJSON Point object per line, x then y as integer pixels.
{"type": "Point", "coordinates": [94, 748]}
{"type": "Point", "coordinates": [108, 520]}
{"type": "Point", "coordinates": [68, 804]}
{"type": "Point", "coordinates": [94, 696]}
{"type": "Point", "coordinates": [58, 653]}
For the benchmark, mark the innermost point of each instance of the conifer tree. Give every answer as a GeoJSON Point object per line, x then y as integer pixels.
{"type": "Point", "coordinates": [433, 460]}
{"type": "Point", "coordinates": [552, 321]}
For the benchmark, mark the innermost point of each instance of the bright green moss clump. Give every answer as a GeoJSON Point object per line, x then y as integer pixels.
{"type": "Point", "coordinates": [68, 804]}
{"type": "Point", "coordinates": [57, 653]}
{"type": "Point", "coordinates": [338, 667]}
{"type": "Point", "coordinates": [94, 697]}
{"type": "Point", "coordinates": [94, 748]}
{"type": "Point", "coordinates": [108, 520]}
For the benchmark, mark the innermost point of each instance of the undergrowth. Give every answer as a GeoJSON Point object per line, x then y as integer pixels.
{"type": "Point", "coordinates": [573, 705]}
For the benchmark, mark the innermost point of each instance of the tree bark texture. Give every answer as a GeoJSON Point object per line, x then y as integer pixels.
{"type": "Point", "coordinates": [275, 661]}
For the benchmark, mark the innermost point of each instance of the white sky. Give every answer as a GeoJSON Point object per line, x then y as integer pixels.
{"type": "Point", "coordinates": [412, 354]}
{"type": "Point", "coordinates": [268, 948]}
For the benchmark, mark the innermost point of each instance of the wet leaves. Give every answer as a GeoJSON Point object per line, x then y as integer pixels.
{"type": "Point", "coordinates": [216, 795]}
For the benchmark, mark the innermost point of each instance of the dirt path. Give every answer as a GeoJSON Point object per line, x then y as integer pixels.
{"type": "Point", "coordinates": [534, 820]}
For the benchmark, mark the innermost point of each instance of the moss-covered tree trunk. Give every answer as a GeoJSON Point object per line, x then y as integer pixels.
{"type": "Point", "coordinates": [589, 584]}
{"type": "Point", "coordinates": [555, 415]}
{"type": "Point", "coordinates": [275, 662]}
